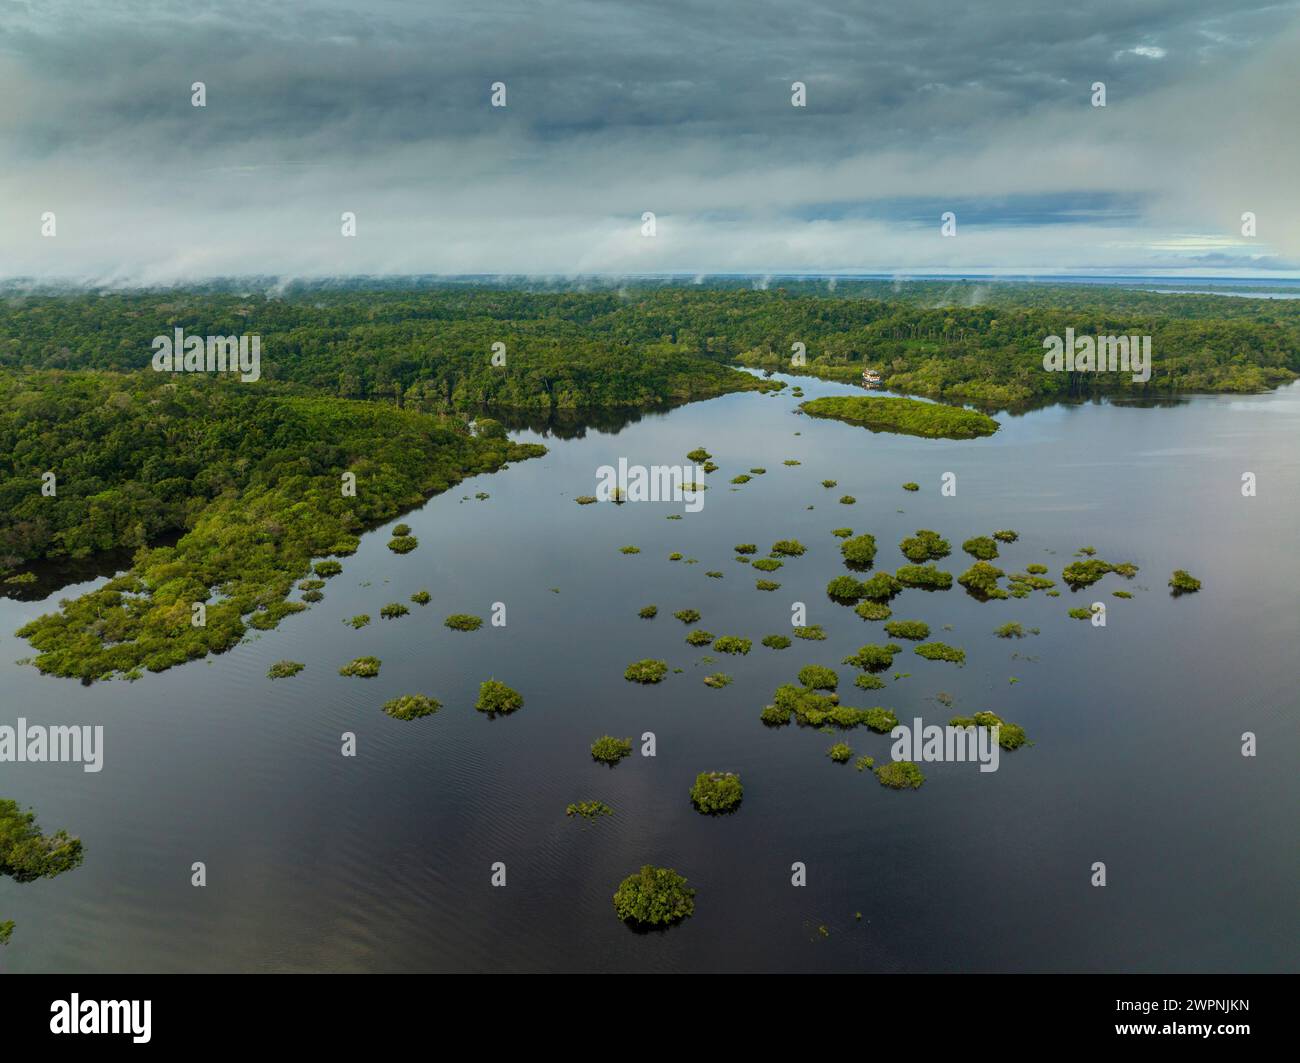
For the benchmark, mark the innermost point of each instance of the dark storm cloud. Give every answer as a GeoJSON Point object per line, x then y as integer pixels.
{"type": "Point", "coordinates": [614, 108]}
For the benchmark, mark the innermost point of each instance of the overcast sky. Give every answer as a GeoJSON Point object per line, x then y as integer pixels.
{"type": "Point", "coordinates": [680, 107]}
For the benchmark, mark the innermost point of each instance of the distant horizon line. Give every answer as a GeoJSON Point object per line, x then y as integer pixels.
{"type": "Point", "coordinates": [1093, 276]}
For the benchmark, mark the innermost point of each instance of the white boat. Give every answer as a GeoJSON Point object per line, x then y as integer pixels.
{"type": "Point", "coordinates": [871, 378]}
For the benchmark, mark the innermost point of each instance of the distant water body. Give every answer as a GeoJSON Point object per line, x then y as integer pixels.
{"type": "Point", "coordinates": [383, 862]}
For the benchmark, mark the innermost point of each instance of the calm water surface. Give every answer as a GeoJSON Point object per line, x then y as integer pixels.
{"type": "Point", "coordinates": [382, 862]}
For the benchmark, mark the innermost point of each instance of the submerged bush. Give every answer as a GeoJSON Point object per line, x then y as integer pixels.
{"type": "Point", "coordinates": [654, 896]}
{"type": "Point", "coordinates": [940, 651]}
{"type": "Point", "coordinates": [981, 580]}
{"type": "Point", "coordinates": [363, 667]}
{"type": "Point", "coordinates": [873, 611]}
{"type": "Point", "coordinates": [358, 621]}
{"type": "Point", "coordinates": [411, 706]}
{"type": "Point", "coordinates": [873, 658]}
{"type": "Point", "coordinates": [844, 589]}
{"type": "Point", "coordinates": [1011, 630]}
{"type": "Point", "coordinates": [811, 709]}
{"type": "Point", "coordinates": [463, 622]}
{"type": "Point", "coordinates": [585, 500]}
{"type": "Point", "coordinates": [1007, 536]}
{"type": "Point", "coordinates": [718, 680]}
{"type": "Point", "coordinates": [789, 548]}
{"type": "Point", "coordinates": [1083, 613]}
{"type": "Point", "coordinates": [981, 547]}
{"type": "Point", "coordinates": [732, 644]}
{"type": "Point", "coordinates": [646, 671]}
{"type": "Point", "coordinates": [307, 584]}
{"type": "Point", "coordinates": [746, 548]}
{"type": "Point", "coordinates": [717, 791]}
{"type": "Point", "coordinates": [648, 612]}
{"type": "Point", "coordinates": [589, 809]}
{"type": "Point", "coordinates": [312, 596]}
{"type": "Point", "coordinates": [699, 455]}
{"type": "Point", "coordinates": [610, 750]}
{"type": "Point", "coordinates": [909, 486]}
{"type": "Point", "coordinates": [900, 775]}
{"type": "Point", "coordinates": [1026, 583]}
{"type": "Point", "coordinates": [393, 610]}
{"type": "Point", "coordinates": [847, 500]}
{"type": "Point", "coordinates": [699, 637]}
{"type": "Point", "coordinates": [421, 597]}
{"type": "Point", "coordinates": [284, 669]}
{"type": "Point", "coordinates": [867, 681]}
{"type": "Point", "coordinates": [859, 550]}
{"type": "Point", "coordinates": [1183, 582]}
{"type": "Point", "coordinates": [925, 545]}
{"type": "Point", "coordinates": [494, 696]}
{"type": "Point", "coordinates": [908, 629]}
{"type": "Point", "coordinates": [743, 478]}
{"type": "Point", "coordinates": [1084, 573]}
{"type": "Point", "coordinates": [766, 564]}
{"type": "Point", "coordinates": [325, 569]}
{"type": "Point", "coordinates": [881, 720]}
{"type": "Point", "coordinates": [813, 632]}
{"type": "Point", "coordinates": [767, 585]}
{"type": "Point", "coordinates": [629, 549]}
{"type": "Point", "coordinates": [687, 616]}
{"type": "Point", "coordinates": [881, 587]}
{"type": "Point", "coordinates": [842, 533]}
{"type": "Point", "coordinates": [403, 544]}
{"type": "Point", "coordinates": [818, 677]}
{"type": "Point", "coordinates": [840, 752]}
{"type": "Point", "coordinates": [924, 576]}
{"type": "Point", "coordinates": [830, 483]}
{"type": "Point", "coordinates": [1010, 735]}
{"type": "Point", "coordinates": [777, 642]}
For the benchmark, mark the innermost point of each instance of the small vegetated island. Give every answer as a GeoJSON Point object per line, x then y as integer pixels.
{"type": "Point", "coordinates": [653, 897]}
{"type": "Point", "coordinates": [362, 667]}
{"type": "Point", "coordinates": [647, 671]}
{"type": "Point", "coordinates": [27, 855]}
{"type": "Point", "coordinates": [716, 792]}
{"type": "Point", "coordinates": [495, 697]}
{"type": "Point", "coordinates": [912, 417]}
{"type": "Point", "coordinates": [411, 706]}
{"type": "Point", "coordinates": [610, 750]}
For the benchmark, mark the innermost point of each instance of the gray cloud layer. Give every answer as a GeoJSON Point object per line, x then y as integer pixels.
{"type": "Point", "coordinates": [681, 108]}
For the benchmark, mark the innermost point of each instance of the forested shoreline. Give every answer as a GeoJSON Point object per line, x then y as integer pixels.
{"type": "Point", "coordinates": [430, 348]}
{"type": "Point", "coordinates": [255, 479]}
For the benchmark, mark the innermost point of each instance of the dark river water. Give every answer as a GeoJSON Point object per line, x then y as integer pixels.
{"type": "Point", "coordinates": [383, 861]}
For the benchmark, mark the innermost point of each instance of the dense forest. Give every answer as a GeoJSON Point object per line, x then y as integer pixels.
{"type": "Point", "coordinates": [429, 347]}
{"type": "Point", "coordinates": [252, 476]}
{"type": "Point", "coordinates": [227, 491]}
